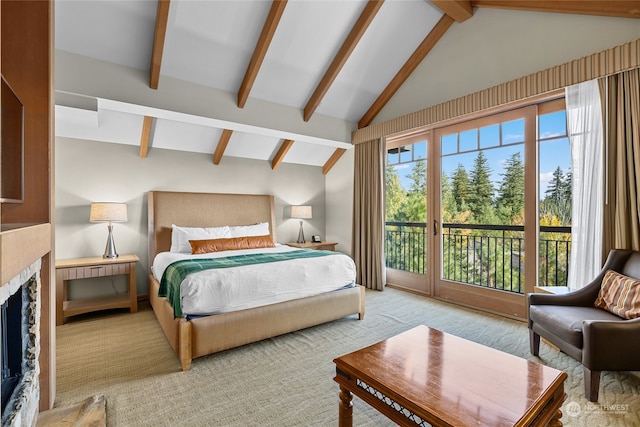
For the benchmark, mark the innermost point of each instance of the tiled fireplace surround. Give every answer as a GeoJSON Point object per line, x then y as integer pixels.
{"type": "Point", "coordinates": [22, 407]}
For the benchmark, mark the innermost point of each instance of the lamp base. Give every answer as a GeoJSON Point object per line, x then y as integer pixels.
{"type": "Point", "coordinates": [110, 248]}
{"type": "Point", "coordinates": [301, 234]}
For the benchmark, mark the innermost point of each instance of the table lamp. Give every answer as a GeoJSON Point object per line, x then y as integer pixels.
{"type": "Point", "coordinates": [109, 212]}
{"type": "Point", "coordinates": [301, 212]}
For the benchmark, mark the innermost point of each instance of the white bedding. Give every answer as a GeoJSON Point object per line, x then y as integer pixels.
{"type": "Point", "coordinates": [230, 289]}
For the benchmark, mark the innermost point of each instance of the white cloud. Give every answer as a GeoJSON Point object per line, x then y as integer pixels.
{"type": "Point", "coordinates": [545, 179]}
{"type": "Point", "coordinates": [512, 137]}
{"type": "Point", "coordinates": [545, 135]}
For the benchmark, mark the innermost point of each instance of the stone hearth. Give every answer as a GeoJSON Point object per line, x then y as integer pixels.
{"type": "Point", "coordinates": [22, 406]}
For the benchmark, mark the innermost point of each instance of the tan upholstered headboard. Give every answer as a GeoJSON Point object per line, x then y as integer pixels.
{"type": "Point", "coordinates": [203, 210]}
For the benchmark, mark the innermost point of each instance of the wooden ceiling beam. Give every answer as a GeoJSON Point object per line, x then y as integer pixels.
{"type": "Point", "coordinates": [260, 51]}
{"type": "Point", "coordinates": [614, 8]}
{"type": "Point", "coordinates": [358, 30]}
{"type": "Point", "coordinates": [333, 160]}
{"type": "Point", "coordinates": [162, 17]}
{"type": "Point", "coordinates": [222, 145]}
{"type": "Point", "coordinates": [145, 136]}
{"type": "Point", "coordinates": [414, 60]}
{"type": "Point", "coordinates": [459, 10]}
{"type": "Point", "coordinates": [282, 151]}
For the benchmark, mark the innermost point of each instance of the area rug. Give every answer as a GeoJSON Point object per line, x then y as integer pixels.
{"type": "Point", "coordinates": [288, 380]}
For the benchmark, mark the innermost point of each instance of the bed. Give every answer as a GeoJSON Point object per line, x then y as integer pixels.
{"type": "Point", "coordinates": [199, 336]}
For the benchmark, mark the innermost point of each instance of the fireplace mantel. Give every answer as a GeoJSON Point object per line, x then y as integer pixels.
{"type": "Point", "coordinates": [22, 246]}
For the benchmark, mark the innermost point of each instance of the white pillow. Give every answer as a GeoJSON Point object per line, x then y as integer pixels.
{"type": "Point", "coordinates": [259, 229]}
{"type": "Point", "coordinates": [180, 236]}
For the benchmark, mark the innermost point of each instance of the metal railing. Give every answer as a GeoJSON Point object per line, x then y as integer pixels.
{"type": "Point", "coordinates": [406, 246]}
{"type": "Point", "coordinates": [484, 255]}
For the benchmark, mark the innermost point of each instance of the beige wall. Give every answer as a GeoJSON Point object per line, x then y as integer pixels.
{"type": "Point", "coordinates": [339, 202]}
{"type": "Point", "coordinates": [88, 171]}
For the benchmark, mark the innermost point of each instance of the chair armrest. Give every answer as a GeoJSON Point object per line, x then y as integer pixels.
{"type": "Point", "coordinates": [581, 298]}
{"type": "Point", "coordinates": [611, 345]}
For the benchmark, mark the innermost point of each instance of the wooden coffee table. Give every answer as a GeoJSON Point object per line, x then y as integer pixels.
{"type": "Point", "coordinates": [425, 376]}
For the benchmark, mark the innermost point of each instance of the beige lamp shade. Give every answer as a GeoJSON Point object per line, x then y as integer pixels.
{"type": "Point", "coordinates": [302, 212]}
{"type": "Point", "coordinates": [108, 212]}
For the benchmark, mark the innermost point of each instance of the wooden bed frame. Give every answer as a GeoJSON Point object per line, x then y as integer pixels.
{"type": "Point", "coordinates": [206, 335]}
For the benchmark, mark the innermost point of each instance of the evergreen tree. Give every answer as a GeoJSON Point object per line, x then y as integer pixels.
{"type": "Point", "coordinates": [481, 190]}
{"type": "Point", "coordinates": [557, 201]}
{"type": "Point", "coordinates": [413, 209]}
{"type": "Point", "coordinates": [418, 177]}
{"type": "Point", "coordinates": [567, 195]}
{"type": "Point", "coordinates": [415, 205]}
{"type": "Point", "coordinates": [394, 194]}
{"type": "Point", "coordinates": [460, 188]}
{"type": "Point", "coordinates": [555, 190]}
{"type": "Point", "coordinates": [510, 199]}
{"type": "Point", "coordinates": [448, 203]}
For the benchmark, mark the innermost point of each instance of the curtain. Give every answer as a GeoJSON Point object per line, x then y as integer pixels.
{"type": "Point", "coordinates": [368, 214]}
{"type": "Point", "coordinates": [621, 101]}
{"type": "Point", "coordinates": [584, 125]}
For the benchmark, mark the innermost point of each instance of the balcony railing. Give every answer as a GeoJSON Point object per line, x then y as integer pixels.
{"type": "Point", "coordinates": [491, 256]}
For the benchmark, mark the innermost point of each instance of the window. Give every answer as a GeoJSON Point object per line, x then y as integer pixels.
{"type": "Point", "coordinates": [554, 195]}
{"type": "Point", "coordinates": [479, 211]}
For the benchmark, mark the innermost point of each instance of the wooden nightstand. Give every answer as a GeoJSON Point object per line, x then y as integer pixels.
{"type": "Point", "coordinates": [85, 268]}
{"type": "Point", "coordinates": [327, 246]}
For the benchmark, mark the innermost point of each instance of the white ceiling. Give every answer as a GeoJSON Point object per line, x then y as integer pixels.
{"type": "Point", "coordinates": [211, 43]}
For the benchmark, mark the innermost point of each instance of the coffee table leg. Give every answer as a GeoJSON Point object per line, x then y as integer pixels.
{"type": "Point", "coordinates": [345, 411]}
{"type": "Point", "coordinates": [556, 421]}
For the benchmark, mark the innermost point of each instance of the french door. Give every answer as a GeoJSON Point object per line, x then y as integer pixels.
{"type": "Point", "coordinates": [479, 212]}
{"type": "Point", "coordinates": [408, 243]}
{"type": "Point", "coordinates": [452, 231]}
{"type": "Point", "coordinates": [485, 211]}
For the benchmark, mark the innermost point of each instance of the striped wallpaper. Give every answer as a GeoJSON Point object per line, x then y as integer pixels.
{"type": "Point", "coordinates": [604, 63]}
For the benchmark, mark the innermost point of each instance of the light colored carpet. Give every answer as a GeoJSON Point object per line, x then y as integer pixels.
{"type": "Point", "coordinates": [287, 380]}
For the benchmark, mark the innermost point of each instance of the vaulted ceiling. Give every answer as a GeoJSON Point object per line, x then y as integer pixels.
{"type": "Point", "coordinates": [328, 61]}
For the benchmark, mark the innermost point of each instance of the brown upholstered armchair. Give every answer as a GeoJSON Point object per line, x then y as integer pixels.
{"type": "Point", "coordinates": [598, 339]}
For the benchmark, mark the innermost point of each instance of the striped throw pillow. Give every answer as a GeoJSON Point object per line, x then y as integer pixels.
{"type": "Point", "coordinates": [620, 295]}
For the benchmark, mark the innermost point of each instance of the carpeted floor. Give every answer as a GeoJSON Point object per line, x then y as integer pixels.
{"type": "Point", "coordinates": [287, 380]}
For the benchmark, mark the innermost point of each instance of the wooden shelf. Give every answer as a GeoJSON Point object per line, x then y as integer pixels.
{"type": "Point", "coordinates": [88, 305]}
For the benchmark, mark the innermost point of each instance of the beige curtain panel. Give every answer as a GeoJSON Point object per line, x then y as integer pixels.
{"type": "Point", "coordinates": [621, 107]}
{"type": "Point", "coordinates": [368, 214]}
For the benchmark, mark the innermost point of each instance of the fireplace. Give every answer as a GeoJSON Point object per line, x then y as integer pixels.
{"type": "Point", "coordinates": [12, 348]}
{"type": "Point", "coordinates": [20, 324]}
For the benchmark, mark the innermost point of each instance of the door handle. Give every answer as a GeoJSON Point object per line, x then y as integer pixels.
{"type": "Point", "coordinates": [435, 227]}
